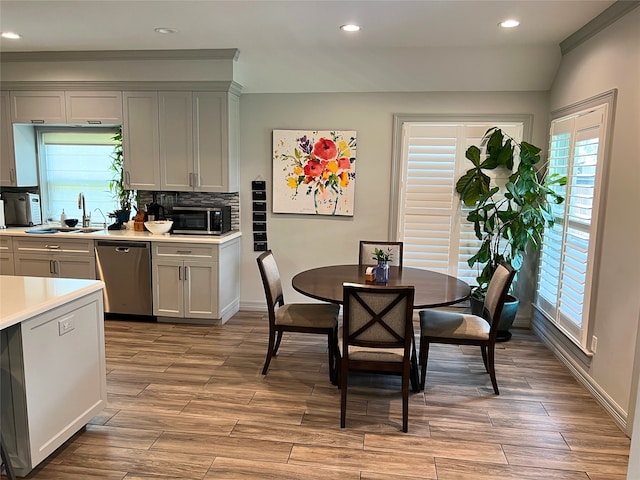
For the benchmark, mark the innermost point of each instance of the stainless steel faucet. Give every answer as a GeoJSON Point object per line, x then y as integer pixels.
{"type": "Point", "coordinates": [103, 217]}
{"type": "Point", "coordinates": [86, 220]}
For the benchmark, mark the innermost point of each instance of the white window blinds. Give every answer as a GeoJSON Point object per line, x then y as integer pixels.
{"type": "Point", "coordinates": [431, 224]}
{"type": "Point", "coordinates": [566, 260]}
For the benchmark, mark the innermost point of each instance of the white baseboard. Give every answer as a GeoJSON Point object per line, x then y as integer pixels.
{"type": "Point", "coordinates": [545, 332]}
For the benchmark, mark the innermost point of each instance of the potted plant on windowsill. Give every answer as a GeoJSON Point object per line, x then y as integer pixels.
{"type": "Point", "coordinates": [126, 198]}
{"type": "Point", "coordinates": [506, 224]}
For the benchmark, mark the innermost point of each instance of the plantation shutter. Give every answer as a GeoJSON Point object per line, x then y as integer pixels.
{"type": "Point", "coordinates": [432, 223]}
{"type": "Point", "coordinates": [566, 260]}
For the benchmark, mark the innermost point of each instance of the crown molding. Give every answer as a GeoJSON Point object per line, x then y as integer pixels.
{"type": "Point", "coordinates": [602, 21]}
{"type": "Point", "coordinates": [97, 55]}
{"type": "Point", "coordinates": [213, 86]}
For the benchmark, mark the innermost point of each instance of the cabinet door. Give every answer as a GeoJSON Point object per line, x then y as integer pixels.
{"type": "Point", "coordinates": [94, 107]}
{"type": "Point", "coordinates": [215, 169]}
{"type": "Point", "coordinates": [7, 164]}
{"type": "Point", "coordinates": [34, 265]}
{"type": "Point", "coordinates": [201, 290]}
{"type": "Point", "coordinates": [176, 141]}
{"type": "Point", "coordinates": [38, 107]}
{"type": "Point", "coordinates": [168, 298]}
{"type": "Point", "coordinates": [140, 140]}
{"type": "Point", "coordinates": [75, 266]}
{"type": "Point", "coordinates": [6, 264]}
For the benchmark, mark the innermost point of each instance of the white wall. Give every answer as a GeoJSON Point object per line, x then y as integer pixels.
{"type": "Point", "coordinates": [302, 241]}
{"type": "Point", "coordinates": [611, 60]}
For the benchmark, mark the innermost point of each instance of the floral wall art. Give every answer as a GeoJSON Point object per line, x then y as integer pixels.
{"type": "Point", "coordinates": [314, 171]}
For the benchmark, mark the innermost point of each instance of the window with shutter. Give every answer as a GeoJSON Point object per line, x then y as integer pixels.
{"type": "Point", "coordinates": [568, 249]}
{"type": "Point", "coordinates": [429, 217]}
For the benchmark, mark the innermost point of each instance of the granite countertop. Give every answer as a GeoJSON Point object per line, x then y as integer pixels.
{"type": "Point", "coordinates": [22, 298]}
{"type": "Point", "coordinates": [123, 235]}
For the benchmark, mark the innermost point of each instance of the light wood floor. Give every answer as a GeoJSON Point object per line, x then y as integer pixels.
{"type": "Point", "coordinates": [189, 402]}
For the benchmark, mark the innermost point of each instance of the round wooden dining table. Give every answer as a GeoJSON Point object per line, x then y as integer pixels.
{"type": "Point", "coordinates": [432, 289]}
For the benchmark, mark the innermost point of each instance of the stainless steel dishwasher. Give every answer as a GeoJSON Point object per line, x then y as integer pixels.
{"type": "Point", "coordinates": [125, 268]}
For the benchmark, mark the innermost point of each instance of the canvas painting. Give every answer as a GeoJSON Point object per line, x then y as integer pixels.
{"type": "Point", "coordinates": [314, 171]}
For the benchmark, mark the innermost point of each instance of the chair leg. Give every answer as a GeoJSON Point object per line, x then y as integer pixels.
{"type": "Point", "coordinates": [270, 351]}
{"type": "Point", "coordinates": [331, 338]}
{"type": "Point", "coordinates": [275, 349]}
{"type": "Point", "coordinates": [415, 376]}
{"type": "Point", "coordinates": [405, 400]}
{"type": "Point", "coordinates": [483, 349]}
{"type": "Point", "coordinates": [492, 369]}
{"type": "Point", "coordinates": [344, 379]}
{"type": "Point", "coordinates": [424, 354]}
{"type": "Point", "coordinates": [5, 462]}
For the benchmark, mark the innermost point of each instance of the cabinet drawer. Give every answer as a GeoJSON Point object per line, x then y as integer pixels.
{"type": "Point", "coordinates": [54, 245]}
{"type": "Point", "coordinates": [6, 244]}
{"type": "Point", "coordinates": [185, 250]}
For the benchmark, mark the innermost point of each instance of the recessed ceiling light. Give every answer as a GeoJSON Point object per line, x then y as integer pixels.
{"type": "Point", "coordinates": [510, 23]}
{"type": "Point", "coordinates": [350, 27]}
{"type": "Point", "coordinates": [11, 35]}
{"type": "Point", "coordinates": [165, 30]}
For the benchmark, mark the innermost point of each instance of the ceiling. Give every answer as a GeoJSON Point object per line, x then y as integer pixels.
{"type": "Point", "coordinates": [296, 45]}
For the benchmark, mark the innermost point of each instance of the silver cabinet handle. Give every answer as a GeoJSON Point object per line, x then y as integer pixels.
{"type": "Point", "coordinates": [183, 252]}
{"type": "Point", "coordinates": [179, 273]}
{"type": "Point", "coordinates": [94, 122]}
{"type": "Point", "coordinates": [186, 273]}
{"type": "Point", "coordinates": [12, 176]}
{"type": "Point", "coordinates": [191, 179]}
{"type": "Point", "coordinates": [37, 121]}
{"type": "Point", "coordinates": [51, 267]}
{"type": "Point", "coordinates": [127, 179]}
{"type": "Point", "coordinates": [52, 247]}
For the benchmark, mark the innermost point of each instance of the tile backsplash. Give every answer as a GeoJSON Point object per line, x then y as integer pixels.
{"type": "Point", "coordinates": [200, 199]}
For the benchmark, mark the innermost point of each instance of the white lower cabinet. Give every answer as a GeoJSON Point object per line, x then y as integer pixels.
{"type": "Point", "coordinates": [196, 281]}
{"type": "Point", "coordinates": [54, 258]}
{"type": "Point", "coordinates": [53, 378]}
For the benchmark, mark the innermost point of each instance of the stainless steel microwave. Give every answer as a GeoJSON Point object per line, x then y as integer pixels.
{"type": "Point", "coordinates": [201, 220]}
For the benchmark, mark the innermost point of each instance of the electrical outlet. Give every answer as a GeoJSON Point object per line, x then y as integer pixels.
{"type": "Point", "coordinates": [65, 325]}
{"type": "Point", "coordinates": [594, 344]}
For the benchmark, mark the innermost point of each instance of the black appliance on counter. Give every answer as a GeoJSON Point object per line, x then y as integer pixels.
{"type": "Point", "coordinates": [155, 211]}
{"type": "Point", "coordinates": [201, 220]}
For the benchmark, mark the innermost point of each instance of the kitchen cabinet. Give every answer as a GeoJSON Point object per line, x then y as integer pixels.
{"type": "Point", "coordinates": [71, 107]}
{"type": "Point", "coordinates": [199, 141]}
{"type": "Point", "coordinates": [140, 141]}
{"type": "Point", "coordinates": [196, 281]}
{"type": "Point", "coordinates": [17, 150]}
{"type": "Point", "coordinates": [53, 365]}
{"type": "Point", "coordinates": [185, 281]}
{"type": "Point", "coordinates": [6, 256]}
{"type": "Point", "coordinates": [95, 108]}
{"type": "Point", "coordinates": [52, 257]}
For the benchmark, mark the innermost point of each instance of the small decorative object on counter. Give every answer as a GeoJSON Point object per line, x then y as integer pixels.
{"type": "Point", "coordinates": [138, 221]}
{"type": "Point", "coordinates": [63, 217]}
{"type": "Point", "coordinates": [382, 270]}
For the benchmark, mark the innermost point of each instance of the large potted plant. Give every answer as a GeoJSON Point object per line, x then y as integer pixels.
{"type": "Point", "coordinates": [507, 218]}
{"type": "Point", "coordinates": [126, 198]}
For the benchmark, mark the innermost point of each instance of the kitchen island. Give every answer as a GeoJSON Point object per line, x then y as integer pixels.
{"type": "Point", "coordinates": [53, 377]}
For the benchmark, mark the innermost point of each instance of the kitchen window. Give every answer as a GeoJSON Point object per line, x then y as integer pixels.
{"type": "Point", "coordinates": [565, 289]}
{"type": "Point", "coordinates": [74, 160]}
{"type": "Point", "coordinates": [427, 215]}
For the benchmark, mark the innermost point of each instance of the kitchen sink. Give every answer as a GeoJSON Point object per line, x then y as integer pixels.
{"type": "Point", "coordinates": [76, 229]}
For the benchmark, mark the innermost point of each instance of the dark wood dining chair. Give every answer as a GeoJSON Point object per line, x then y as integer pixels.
{"type": "Point", "coordinates": [466, 329]}
{"type": "Point", "coordinates": [319, 318]}
{"type": "Point", "coordinates": [365, 256]}
{"type": "Point", "coordinates": [377, 336]}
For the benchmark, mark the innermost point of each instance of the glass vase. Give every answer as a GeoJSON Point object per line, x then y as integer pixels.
{"type": "Point", "coordinates": [382, 272]}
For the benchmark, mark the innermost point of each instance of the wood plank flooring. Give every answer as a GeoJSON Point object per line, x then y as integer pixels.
{"type": "Point", "coordinates": [189, 402]}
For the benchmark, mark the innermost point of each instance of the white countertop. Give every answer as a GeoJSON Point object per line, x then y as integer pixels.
{"type": "Point", "coordinates": [22, 298]}
{"type": "Point", "coordinates": [124, 235]}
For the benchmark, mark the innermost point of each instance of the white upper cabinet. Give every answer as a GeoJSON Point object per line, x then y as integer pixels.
{"type": "Point", "coordinates": [17, 162]}
{"type": "Point", "coordinates": [140, 140]}
{"type": "Point", "coordinates": [94, 108]}
{"type": "Point", "coordinates": [70, 107]}
{"type": "Point", "coordinates": [176, 141]}
{"type": "Point", "coordinates": [198, 141]}
{"type": "Point", "coordinates": [38, 107]}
